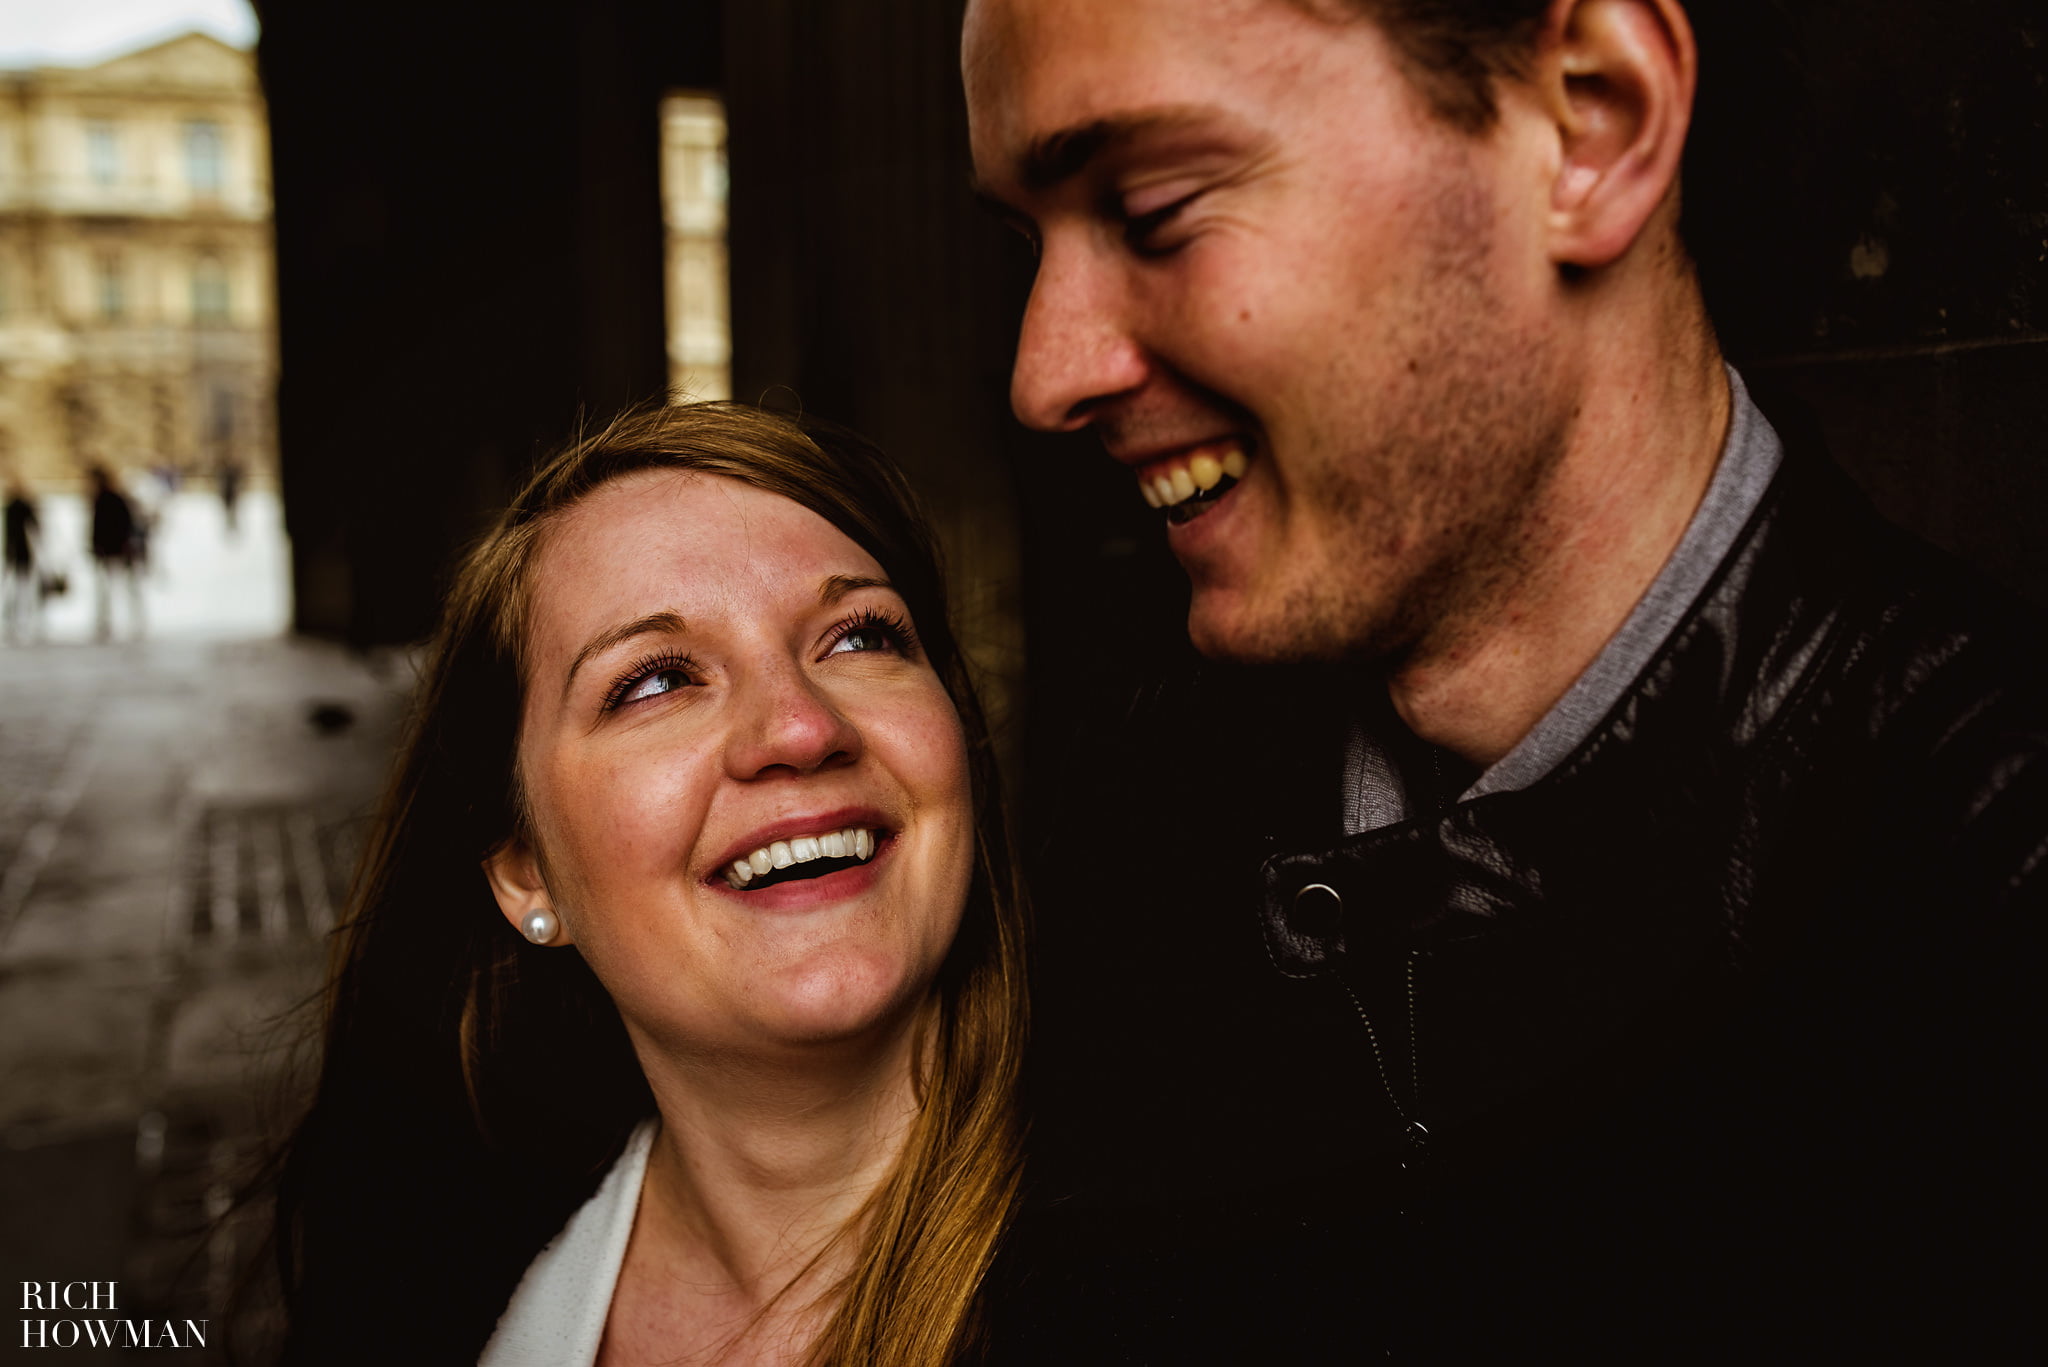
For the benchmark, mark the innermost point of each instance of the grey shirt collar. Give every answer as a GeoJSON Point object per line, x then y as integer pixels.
{"type": "Point", "coordinates": [1374, 793]}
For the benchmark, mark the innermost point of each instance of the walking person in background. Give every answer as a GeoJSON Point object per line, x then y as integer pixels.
{"type": "Point", "coordinates": [24, 604]}
{"type": "Point", "coordinates": [230, 490]}
{"type": "Point", "coordinates": [115, 537]}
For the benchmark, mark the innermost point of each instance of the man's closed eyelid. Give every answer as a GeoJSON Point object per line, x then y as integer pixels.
{"type": "Point", "coordinates": [1149, 200]}
{"type": "Point", "coordinates": [1160, 232]}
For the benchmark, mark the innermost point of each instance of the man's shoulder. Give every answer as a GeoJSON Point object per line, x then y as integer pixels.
{"type": "Point", "coordinates": [1915, 624]}
{"type": "Point", "coordinates": [1905, 678]}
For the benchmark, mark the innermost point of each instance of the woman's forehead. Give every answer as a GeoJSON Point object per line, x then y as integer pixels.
{"type": "Point", "coordinates": [668, 540]}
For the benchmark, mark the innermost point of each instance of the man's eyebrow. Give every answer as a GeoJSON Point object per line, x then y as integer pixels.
{"type": "Point", "coordinates": [839, 585]}
{"type": "Point", "coordinates": [666, 622]}
{"type": "Point", "coordinates": [1060, 156]}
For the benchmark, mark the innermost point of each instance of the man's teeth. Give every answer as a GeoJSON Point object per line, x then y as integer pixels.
{"type": "Point", "coordinates": [1183, 477]}
{"type": "Point", "coordinates": [855, 842]}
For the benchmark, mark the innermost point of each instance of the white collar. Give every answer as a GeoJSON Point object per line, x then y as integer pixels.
{"type": "Point", "coordinates": [557, 1314]}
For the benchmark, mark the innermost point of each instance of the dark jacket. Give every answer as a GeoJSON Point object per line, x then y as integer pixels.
{"type": "Point", "coordinates": [113, 526]}
{"type": "Point", "coordinates": [1717, 1043]}
{"type": "Point", "coordinates": [22, 529]}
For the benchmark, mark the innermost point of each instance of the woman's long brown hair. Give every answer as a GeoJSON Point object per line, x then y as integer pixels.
{"type": "Point", "coordinates": [474, 1088]}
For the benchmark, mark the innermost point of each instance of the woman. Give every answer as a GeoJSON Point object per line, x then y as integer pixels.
{"type": "Point", "coordinates": [693, 890]}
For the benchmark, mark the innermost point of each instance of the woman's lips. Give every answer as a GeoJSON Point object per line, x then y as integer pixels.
{"type": "Point", "coordinates": [813, 825]}
{"type": "Point", "coordinates": [780, 856]}
{"type": "Point", "coordinates": [844, 881]}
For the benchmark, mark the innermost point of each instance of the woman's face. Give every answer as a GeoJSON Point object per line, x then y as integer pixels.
{"type": "Point", "coordinates": [718, 677]}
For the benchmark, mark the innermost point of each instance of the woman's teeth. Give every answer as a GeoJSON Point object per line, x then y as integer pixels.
{"type": "Point", "coordinates": [855, 842]}
{"type": "Point", "coordinates": [1187, 476]}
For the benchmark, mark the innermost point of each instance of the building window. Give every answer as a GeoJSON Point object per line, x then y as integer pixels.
{"type": "Point", "coordinates": [693, 191]}
{"type": "Point", "coordinates": [102, 152]}
{"type": "Point", "coordinates": [210, 290]}
{"type": "Point", "coordinates": [203, 157]}
{"type": "Point", "coordinates": [113, 285]}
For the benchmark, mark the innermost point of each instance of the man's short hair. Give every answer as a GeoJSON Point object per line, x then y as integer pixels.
{"type": "Point", "coordinates": [1454, 50]}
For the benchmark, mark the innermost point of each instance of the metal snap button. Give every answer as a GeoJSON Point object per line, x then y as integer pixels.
{"type": "Point", "coordinates": [1318, 910]}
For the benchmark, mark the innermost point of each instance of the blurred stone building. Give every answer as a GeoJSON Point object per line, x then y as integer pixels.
{"type": "Point", "coordinates": [136, 275]}
{"type": "Point", "coordinates": [693, 184]}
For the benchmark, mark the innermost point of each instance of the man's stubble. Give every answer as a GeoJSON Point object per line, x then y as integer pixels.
{"type": "Point", "coordinates": [1434, 480]}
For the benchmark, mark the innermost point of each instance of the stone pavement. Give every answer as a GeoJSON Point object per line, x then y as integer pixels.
{"type": "Point", "coordinates": [177, 821]}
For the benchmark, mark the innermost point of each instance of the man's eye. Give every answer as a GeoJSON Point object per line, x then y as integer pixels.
{"type": "Point", "coordinates": [1149, 232]}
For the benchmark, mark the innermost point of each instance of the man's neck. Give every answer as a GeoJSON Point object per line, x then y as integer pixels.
{"type": "Point", "coordinates": [1640, 455]}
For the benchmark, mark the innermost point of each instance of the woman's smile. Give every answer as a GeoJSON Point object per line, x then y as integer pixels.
{"type": "Point", "coordinates": [808, 861]}
{"type": "Point", "coordinates": [813, 885]}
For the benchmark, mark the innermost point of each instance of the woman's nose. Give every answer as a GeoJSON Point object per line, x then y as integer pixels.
{"type": "Point", "coordinates": [787, 724]}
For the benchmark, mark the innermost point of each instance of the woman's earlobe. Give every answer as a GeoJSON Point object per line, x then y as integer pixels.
{"type": "Point", "coordinates": [1618, 77]}
{"type": "Point", "coordinates": [513, 871]}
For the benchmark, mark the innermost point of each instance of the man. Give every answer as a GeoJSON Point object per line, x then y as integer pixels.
{"type": "Point", "coordinates": [1607, 888]}
{"type": "Point", "coordinates": [117, 540]}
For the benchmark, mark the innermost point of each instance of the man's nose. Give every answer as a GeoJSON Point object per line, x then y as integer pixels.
{"type": "Point", "coordinates": [1076, 352]}
{"type": "Point", "coordinates": [788, 725]}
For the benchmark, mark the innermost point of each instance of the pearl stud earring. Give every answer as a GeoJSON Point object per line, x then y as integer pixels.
{"type": "Point", "coordinates": [540, 926]}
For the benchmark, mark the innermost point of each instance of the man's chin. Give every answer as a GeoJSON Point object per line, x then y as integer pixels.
{"type": "Point", "coordinates": [1237, 632]}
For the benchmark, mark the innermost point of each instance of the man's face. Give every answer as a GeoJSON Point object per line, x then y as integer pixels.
{"type": "Point", "coordinates": [1271, 278]}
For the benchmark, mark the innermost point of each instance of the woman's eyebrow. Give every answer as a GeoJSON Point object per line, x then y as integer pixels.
{"type": "Point", "coordinates": [839, 585]}
{"type": "Point", "coordinates": [665, 622]}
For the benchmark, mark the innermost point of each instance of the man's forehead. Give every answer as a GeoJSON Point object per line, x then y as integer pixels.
{"type": "Point", "coordinates": [1058, 57]}
{"type": "Point", "coordinates": [1048, 78]}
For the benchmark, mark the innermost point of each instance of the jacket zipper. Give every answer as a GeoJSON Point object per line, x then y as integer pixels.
{"type": "Point", "coordinates": [1413, 1130]}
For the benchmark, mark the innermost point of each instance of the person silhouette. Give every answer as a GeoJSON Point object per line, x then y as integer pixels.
{"type": "Point", "coordinates": [22, 585]}
{"type": "Point", "coordinates": [116, 538]}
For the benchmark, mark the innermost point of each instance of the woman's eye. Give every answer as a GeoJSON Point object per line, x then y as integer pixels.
{"type": "Point", "coordinates": [873, 630]}
{"type": "Point", "coordinates": [653, 685]}
{"type": "Point", "coordinates": [863, 638]}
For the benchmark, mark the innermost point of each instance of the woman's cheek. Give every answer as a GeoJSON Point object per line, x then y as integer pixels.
{"type": "Point", "coordinates": [933, 744]}
{"type": "Point", "coordinates": [640, 804]}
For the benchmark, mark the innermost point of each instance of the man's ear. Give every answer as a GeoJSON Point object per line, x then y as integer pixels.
{"type": "Point", "coordinates": [513, 871]}
{"type": "Point", "coordinates": [1617, 77]}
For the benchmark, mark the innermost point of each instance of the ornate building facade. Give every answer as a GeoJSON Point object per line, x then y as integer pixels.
{"type": "Point", "coordinates": [137, 322]}
{"type": "Point", "coordinates": [693, 188]}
